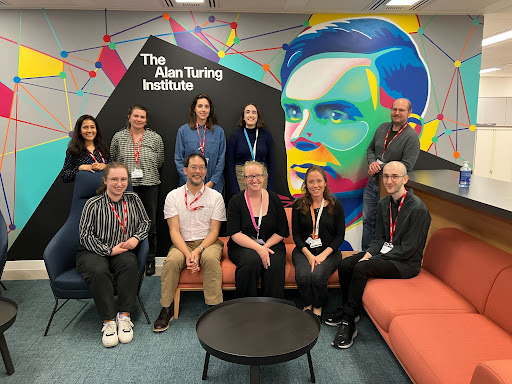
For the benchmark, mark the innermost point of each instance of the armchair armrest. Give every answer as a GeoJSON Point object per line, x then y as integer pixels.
{"type": "Point", "coordinates": [495, 371]}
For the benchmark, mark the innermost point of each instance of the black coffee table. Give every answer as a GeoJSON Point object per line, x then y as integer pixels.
{"type": "Point", "coordinates": [8, 311]}
{"type": "Point", "coordinates": [257, 331]}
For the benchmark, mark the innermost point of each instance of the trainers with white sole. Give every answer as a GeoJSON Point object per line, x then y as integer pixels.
{"type": "Point", "coordinates": [109, 330]}
{"type": "Point", "coordinates": [124, 328]}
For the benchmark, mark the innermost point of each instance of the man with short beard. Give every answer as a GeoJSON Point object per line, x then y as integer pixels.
{"type": "Point", "coordinates": [194, 214]}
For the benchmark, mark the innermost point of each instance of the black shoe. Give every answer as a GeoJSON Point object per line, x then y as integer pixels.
{"type": "Point", "coordinates": [334, 320]}
{"type": "Point", "coordinates": [163, 320]}
{"type": "Point", "coordinates": [150, 267]}
{"type": "Point", "coordinates": [345, 336]}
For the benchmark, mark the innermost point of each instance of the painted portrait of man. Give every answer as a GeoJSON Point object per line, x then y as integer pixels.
{"type": "Point", "coordinates": [339, 81]}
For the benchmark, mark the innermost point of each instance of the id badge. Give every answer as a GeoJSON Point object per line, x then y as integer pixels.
{"type": "Point", "coordinates": [386, 247]}
{"type": "Point", "coordinates": [309, 240]}
{"type": "Point", "coordinates": [315, 243]}
{"type": "Point", "coordinates": [259, 241]}
{"type": "Point", "coordinates": [207, 160]}
{"type": "Point", "coordinates": [137, 173]}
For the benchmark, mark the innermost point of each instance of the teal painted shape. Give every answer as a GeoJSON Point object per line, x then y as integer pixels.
{"type": "Point", "coordinates": [243, 65]}
{"type": "Point", "coordinates": [470, 75]}
{"type": "Point", "coordinates": [33, 181]}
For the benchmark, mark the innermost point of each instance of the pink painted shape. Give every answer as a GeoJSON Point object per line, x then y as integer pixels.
{"type": "Point", "coordinates": [6, 95]}
{"type": "Point", "coordinates": [112, 65]}
{"type": "Point", "coordinates": [385, 100]}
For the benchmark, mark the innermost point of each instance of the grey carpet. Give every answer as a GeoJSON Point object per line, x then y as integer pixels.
{"type": "Point", "coordinates": [72, 352]}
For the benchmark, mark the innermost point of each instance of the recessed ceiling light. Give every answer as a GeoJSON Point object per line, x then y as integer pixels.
{"type": "Point", "coordinates": [489, 70]}
{"type": "Point", "coordinates": [189, 1]}
{"type": "Point", "coordinates": [402, 2]}
{"type": "Point", "coordinates": [497, 38]}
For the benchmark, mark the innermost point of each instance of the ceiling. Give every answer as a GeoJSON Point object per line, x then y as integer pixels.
{"type": "Point", "coordinates": [498, 14]}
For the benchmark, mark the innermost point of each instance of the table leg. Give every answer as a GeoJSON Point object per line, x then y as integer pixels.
{"type": "Point", "coordinates": [255, 374]}
{"type": "Point", "coordinates": [205, 369]}
{"type": "Point", "coordinates": [312, 373]}
{"type": "Point", "coordinates": [6, 356]}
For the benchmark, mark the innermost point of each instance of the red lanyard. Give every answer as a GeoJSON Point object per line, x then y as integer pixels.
{"type": "Point", "coordinates": [201, 146]}
{"type": "Point", "coordinates": [392, 226]}
{"type": "Point", "coordinates": [386, 144]}
{"type": "Point", "coordinates": [118, 218]}
{"type": "Point", "coordinates": [94, 158]}
{"type": "Point", "coordinates": [136, 150]}
{"type": "Point", "coordinates": [197, 198]}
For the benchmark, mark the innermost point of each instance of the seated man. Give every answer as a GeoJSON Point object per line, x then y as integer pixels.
{"type": "Point", "coordinates": [194, 214]}
{"type": "Point", "coordinates": [395, 252]}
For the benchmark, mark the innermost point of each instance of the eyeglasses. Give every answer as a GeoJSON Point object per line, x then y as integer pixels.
{"type": "Point", "coordinates": [116, 180]}
{"type": "Point", "coordinates": [401, 110]}
{"type": "Point", "coordinates": [250, 177]}
{"type": "Point", "coordinates": [194, 168]}
{"type": "Point", "coordinates": [392, 177]}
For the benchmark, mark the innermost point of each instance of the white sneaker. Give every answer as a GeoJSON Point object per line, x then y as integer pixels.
{"type": "Point", "coordinates": [109, 330]}
{"type": "Point", "coordinates": [125, 330]}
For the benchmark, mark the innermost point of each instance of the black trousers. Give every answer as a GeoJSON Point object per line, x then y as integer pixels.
{"type": "Point", "coordinates": [249, 270]}
{"type": "Point", "coordinates": [313, 285]}
{"type": "Point", "coordinates": [149, 197]}
{"type": "Point", "coordinates": [101, 271]}
{"type": "Point", "coordinates": [354, 276]}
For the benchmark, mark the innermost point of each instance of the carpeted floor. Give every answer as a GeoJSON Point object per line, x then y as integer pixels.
{"type": "Point", "coordinates": [72, 352]}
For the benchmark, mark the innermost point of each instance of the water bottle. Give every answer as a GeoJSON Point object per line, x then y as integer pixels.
{"type": "Point", "coordinates": [465, 175]}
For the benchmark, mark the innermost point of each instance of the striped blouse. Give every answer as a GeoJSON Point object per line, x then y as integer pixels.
{"type": "Point", "coordinates": [100, 230]}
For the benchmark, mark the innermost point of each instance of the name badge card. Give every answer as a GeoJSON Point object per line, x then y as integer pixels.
{"type": "Point", "coordinates": [259, 241]}
{"type": "Point", "coordinates": [315, 243]}
{"type": "Point", "coordinates": [386, 247]}
{"type": "Point", "coordinates": [137, 173]}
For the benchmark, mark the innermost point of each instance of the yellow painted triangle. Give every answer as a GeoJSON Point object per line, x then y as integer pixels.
{"type": "Point", "coordinates": [37, 64]}
{"type": "Point", "coordinates": [409, 23]}
{"type": "Point", "coordinates": [231, 38]}
{"type": "Point", "coordinates": [429, 131]}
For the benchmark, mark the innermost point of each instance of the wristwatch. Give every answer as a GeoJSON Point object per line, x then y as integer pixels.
{"type": "Point", "coordinates": [201, 249]}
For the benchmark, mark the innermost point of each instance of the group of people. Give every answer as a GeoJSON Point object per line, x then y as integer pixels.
{"type": "Point", "coordinates": [115, 221]}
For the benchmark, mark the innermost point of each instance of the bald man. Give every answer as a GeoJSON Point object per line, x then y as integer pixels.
{"type": "Point", "coordinates": [395, 252]}
{"type": "Point", "coordinates": [392, 141]}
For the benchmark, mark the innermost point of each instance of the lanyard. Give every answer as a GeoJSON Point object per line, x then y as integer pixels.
{"type": "Point", "coordinates": [193, 201]}
{"type": "Point", "coordinates": [94, 158]}
{"type": "Point", "coordinates": [316, 222]}
{"type": "Point", "coordinates": [118, 218]}
{"type": "Point", "coordinates": [253, 148]}
{"type": "Point", "coordinates": [136, 150]}
{"type": "Point", "coordinates": [201, 146]}
{"type": "Point", "coordinates": [256, 227]}
{"type": "Point", "coordinates": [392, 226]}
{"type": "Point", "coordinates": [386, 144]}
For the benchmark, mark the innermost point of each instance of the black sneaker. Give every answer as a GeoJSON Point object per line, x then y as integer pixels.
{"type": "Point", "coordinates": [345, 336]}
{"type": "Point", "coordinates": [150, 267]}
{"type": "Point", "coordinates": [334, 319]}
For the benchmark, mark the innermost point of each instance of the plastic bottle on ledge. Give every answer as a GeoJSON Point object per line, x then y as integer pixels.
{"type": "Point", "coordinates": [465, 175]}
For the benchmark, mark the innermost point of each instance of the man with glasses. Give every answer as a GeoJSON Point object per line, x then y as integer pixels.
{"type": "Point", "coordinates": [194, 214]}
{"type": "Point", "coordinates": [395, 141]}
{"type": "Point", "coordinates": [395, 252]}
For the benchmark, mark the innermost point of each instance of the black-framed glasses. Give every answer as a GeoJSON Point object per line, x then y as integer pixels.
{"type": "Point", "coordinates": [259, 176]}
{"type": "Point", "coordinates": [392, 177]}
{"type": "Point", "coordinates": [194, 168]}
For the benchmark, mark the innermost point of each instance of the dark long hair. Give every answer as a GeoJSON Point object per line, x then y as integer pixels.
{"type": "Point", "coordinates": [305, 201]}
{"type": "Point", "coordinates": [192, 118]}
{"type": "Point", "coordinates": [77, 144]}
{"type": "Point", "coordinates": [106, 171]}
{"type": "Point", "coordinates": [260, 123]}
{"type": "Point", "coordinates": [130, 110]}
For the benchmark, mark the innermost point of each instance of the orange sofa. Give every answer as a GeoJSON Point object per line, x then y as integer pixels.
{"type": "Point", "coordinates": [194, 281]}
{"type": "Point", "coordinates": [453, 322]}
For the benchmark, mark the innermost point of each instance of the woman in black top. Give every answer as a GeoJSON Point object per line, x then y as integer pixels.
{"type": "Point", "coordinates": [318, 226]}
{"type": "Point", "coordinates": [257, 225]}
{"type": "Point", "coordinates": [86, 150]}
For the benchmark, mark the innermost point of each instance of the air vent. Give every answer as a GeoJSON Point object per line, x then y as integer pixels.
{"type": "Point", "coordinates": [163, 3]}
{"type": "Point", "coordinates": [422, 4]}
{"type": "Point", "coordinates": [374, 5]}
{"type": "Point", "coordinates": [395, 8]}
{"type": "Point", "coordinates": [208, 4]}
{"type": "Point", "coordinates": [381, 5]}
{"type": "Point", "coordinates": [4, 3]}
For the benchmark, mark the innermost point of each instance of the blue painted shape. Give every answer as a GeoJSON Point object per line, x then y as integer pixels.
{"type": "Point", "coordinates": [243, 65]}
{"type": "Point", "coordinates": [191, 43]}
{"type": "Point", "coordinates": [470, 74]}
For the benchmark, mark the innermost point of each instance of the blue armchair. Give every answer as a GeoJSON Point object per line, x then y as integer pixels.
{"type": "Point", "coordinates": [3, 247]}
{"type": "Point", "coordinates": [60, 254]}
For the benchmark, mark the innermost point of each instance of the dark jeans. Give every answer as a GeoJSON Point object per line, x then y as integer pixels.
{"type": "Point", "coordinates": [354, 275]}
{"type": "Point", "coordinates": [313, 285]}
{"type": "Point", "coordinates": [149, 198]}
{"type": "Point", "coordinates": [371, 197]}
{"type": "Point", "coordinates": [249, 270]}
{"type": "Point", "coordinates": [101, 271]}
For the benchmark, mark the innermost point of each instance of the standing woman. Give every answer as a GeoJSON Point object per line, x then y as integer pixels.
{"type": "Point", "coordinates": [86, 150]}
{"type": "Point", "coordinates": [201, 134]}
{"type": "Point", "coordinates": [318, 226]}
{"type": "Point", "coordinates": [250, 142]}
{"type": "Point", "coordinates": [257, 225]}
{"type": "Point", "coordinates": [111, 227]}
{"type": "Point", "coordinates": [142, 150]}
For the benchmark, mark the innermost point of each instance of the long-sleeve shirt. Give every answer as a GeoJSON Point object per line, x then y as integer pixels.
{"type": "Point", "coordinates": [404, 147]}
{"type": "Point", "coordinates": [410, 233]}
{"type": "Point", "coordinates": [100, 230]}
{"type": "Point", "coordinates": [331, 229]}
{"type": "Point", "coordinates": [72, 162]}
{"type": "Point", "coordinates": [239, 152]}
{"type": "Point", "coordinates": [151, 155]}
{"type": "Point", "coordinates": [188, 141]}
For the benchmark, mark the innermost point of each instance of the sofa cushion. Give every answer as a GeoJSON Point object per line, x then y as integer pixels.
{"type": "Point", "coordinates": [465, 263]}
{"type": "Point", "coordinates": [384, 299]}
{"type": "Point", "coordinates": [446, 348]}
{"type": "Point", "coordinates": [496, 371]}
{"type": "Point", "coordinates": [499, 303]}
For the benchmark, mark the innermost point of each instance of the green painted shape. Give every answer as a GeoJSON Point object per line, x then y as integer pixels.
{"type": "Point", "coordinates": [470, 75]}
{"type": "Point", "coordinates": [243, 65]}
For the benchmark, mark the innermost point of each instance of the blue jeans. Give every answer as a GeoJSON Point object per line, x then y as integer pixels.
{"type": "Point", "coordinates": [371, 197]}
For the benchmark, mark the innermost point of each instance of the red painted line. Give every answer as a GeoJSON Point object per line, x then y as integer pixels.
{"type": "Point", "coordinates": [220, 42]}
{"type": "Point", "coordinates": [8, 125]}
{"type": "Point", "coordinates": [435, 146]}
{"type": "Point", "coordinates": [453, 146]}
{"type": "Point", "coordinates": [448, 93]}
{"type": "Point", "coordinates": [257, 50]}
{"type": "Point", "coordinates": [274, 77]}
{"type": "Point", "coordinates": [193, 18]}
{"type": "Point", "coordinates": [467, 41]}
{"type": "Point", "coordinates": [72, 76]}
{"type": "Point", "coordinates": [464, 97]}
{"type": "Point", "coordinates": [37, 125]}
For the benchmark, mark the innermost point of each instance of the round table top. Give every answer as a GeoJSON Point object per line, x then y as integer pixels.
{"type": "Point", "coordinates": [257, 331]}
{"type": "Point", "coordinates": [8, 311]}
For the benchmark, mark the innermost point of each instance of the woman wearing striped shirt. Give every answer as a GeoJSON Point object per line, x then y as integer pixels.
{"type": "Point", "coordinates": [111, 227]}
